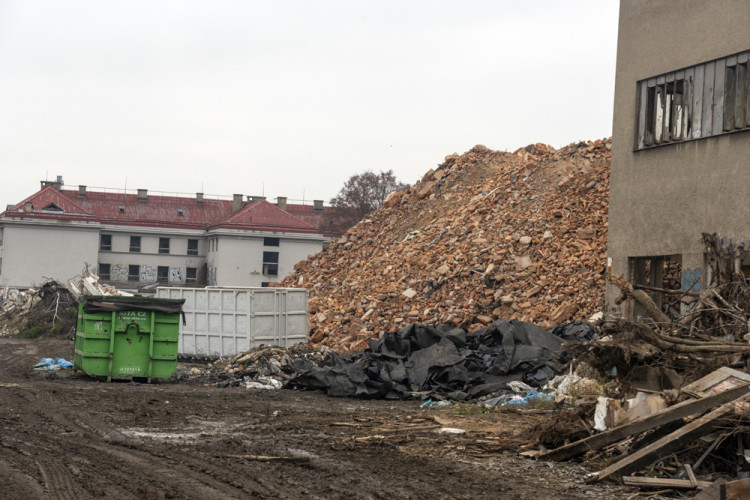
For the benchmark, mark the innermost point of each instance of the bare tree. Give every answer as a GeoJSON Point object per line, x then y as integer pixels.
{"type": "Point", "coordinates": [367, 191]}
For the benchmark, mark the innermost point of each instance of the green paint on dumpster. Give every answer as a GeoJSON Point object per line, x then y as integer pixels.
{"type": "Point", "coordinates": [136, 342]}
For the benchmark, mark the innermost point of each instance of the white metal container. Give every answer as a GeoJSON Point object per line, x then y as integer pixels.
{"type": "Point", "coordinates": [222, 322]}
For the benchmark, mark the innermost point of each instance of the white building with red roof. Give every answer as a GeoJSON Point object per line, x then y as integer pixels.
{"type": "Point", "coordinates": [138, 239]}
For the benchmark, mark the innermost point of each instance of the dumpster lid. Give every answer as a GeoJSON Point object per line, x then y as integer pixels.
{"type": "Point", "coordinates": [107, 303]}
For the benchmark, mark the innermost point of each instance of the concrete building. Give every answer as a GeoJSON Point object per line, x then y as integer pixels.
{"type": "Point", "coordinates": [138, 239]}
{"type": "Point", "coordinates": [681, 147]}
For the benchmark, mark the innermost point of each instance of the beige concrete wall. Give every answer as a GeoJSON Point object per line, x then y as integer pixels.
{"type": "Point", "coordinates": [239, 259]}
{"type": "Point", "coordinates": [31, 253]}
{"type": "Point", "coordinates": [663, 198]}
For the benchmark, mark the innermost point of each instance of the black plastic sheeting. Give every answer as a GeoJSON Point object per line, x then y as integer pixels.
{"type": "Point", "coordinates": [438, 362]}
{"type": "Point", "coordinates": [577, 331]}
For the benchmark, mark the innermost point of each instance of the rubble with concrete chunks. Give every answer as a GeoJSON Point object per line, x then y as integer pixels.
{"type": "Point", "coordinates": [88, 284]}
{"type": "Point", "coordinates": [485, 235]}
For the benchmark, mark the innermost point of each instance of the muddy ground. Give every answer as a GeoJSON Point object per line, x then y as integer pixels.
{"type": "Point", "coordinates": [69, 436]}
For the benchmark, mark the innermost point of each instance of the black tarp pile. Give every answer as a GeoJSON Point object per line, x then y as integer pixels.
{"type": "Point", "coordinates": [438, 362]}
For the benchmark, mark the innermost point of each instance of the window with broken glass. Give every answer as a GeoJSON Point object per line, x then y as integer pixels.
{"type": "Point", "coordinates": [271, 263]}
{"type": "Point", "coordinates": [701, 101]}
{"type": "Point", "coordinates": [162, 274]}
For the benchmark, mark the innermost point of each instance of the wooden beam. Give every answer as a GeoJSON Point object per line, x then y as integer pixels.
{"type": "Point", "coordinates": [667, 444]}
{"type": "Point", "coordinates": [671, 414]}
{"type": "Point", "coordinates": [735, 490]}
{"type": "Point", "coordinates": [662, 482]}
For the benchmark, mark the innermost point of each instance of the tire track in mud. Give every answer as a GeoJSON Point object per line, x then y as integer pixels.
{"type": "Point", "coordinates": [57, 480]}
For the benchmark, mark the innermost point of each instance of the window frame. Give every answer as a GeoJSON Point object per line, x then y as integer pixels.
{"type": "Point", "coordinates": [165, 277]}
{"type": "Point", "coordinates": [192, 251]}
{"type": "Point", "coordinates": [270, 263]}
{"type": "Point", "coordinates": [135, 248]}
{"type": "Point", "coordinates": [134, 277]}
{"type": "Point", "coordinates": [106, 276]}
{"type": "Point", "coordinates": [164, 245]}
{"type": "Point", "coordinates": [188, 272]}
{"type": "Point", "coordinates": [269, 241]}
{"type": "Point", "coordinates": [105, 247]}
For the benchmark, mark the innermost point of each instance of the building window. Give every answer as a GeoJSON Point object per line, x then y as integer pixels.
{"type": "Point", "coordinates": [191, 275]}
{"type": "Point", "coordinates": [104, 271]}
{"type": "Point", "coordinates": [163, 245]}
{"type": "Point", "coordinates": [271, 263]}
{"type": "Point", "coordinates": [192, 247]}
{"type": "Point", "coordinates": [264, 284]}
{"type": "Point", "coordinates": [105, 242]}
{"type": "Point", "coordinates": [270, 242]}
{"type": "Point", "coordinates": [162, 274]}
{"type": "Point", "coordinates": [133, 273]}
{"type": "Point", "coordinates": [701, 101]}
{"type": "Point", "coordinates": [135, 244]}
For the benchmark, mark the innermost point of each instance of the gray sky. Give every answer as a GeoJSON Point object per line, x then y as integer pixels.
{"type": "Point", "coordinates": [289, 97]}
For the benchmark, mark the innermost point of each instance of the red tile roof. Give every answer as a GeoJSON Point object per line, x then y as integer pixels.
{"type": "Point", "coordinates": [181, 212]}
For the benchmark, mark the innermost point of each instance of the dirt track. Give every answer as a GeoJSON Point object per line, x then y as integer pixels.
{"type": "Point", "coordinates": [71, 437]}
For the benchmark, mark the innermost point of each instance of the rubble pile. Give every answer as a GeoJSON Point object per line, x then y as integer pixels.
{"type": "Point", "coordinates": [263, 367]}
{"type": "Point", "coordinates": [47, 309]}
{"type": "Point", "coordinates": [485, 235]}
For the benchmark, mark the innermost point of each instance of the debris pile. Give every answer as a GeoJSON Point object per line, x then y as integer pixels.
{"type": "Point", "coordinates": [487, 235]}
{"type": "Point", "coordinates": [270, 367]}
{"type": "Point", "coordinates": [676, 413]}
{"type": "Point", "coordinates": [45, 310]}
{"type": "Point", "coordinates": [88, 284]}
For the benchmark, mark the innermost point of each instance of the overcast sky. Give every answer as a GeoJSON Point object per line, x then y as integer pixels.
{"type": "Point", "coordinates": [289, 98]}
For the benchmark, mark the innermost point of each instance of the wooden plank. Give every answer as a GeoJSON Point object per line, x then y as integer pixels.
{"type": "Point", "coordinates": [710, 384]}
{"type": "Point", "coordinates": [697, 101]}
{"type": "Point", "coordinates": [691, 475]}
{"type": "Point", "coordinates": [662, 482]}
{"type": "Point", "coordinates": [708, 99]}
{"type": "Point", "coordinates": [667, 444]}
{"type": "Point", "coordinates": [671, 414]}
{"type": "Point", "coordinates": [718, 119]}
{"type": "Point", "coordinates": [735, 490]}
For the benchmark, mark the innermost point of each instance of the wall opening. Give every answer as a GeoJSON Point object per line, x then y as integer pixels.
{"type": "Point", "coordinates": [661, 277]}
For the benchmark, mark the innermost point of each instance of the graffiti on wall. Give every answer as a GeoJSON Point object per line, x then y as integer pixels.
{"type": "Point", "coordinates": [147, 273]}
{"type": "Point", "coordinates": [211, 276]}
{"type": "Point", "coordinates": [118, 272]}
{"type": "Point", "coordinates": [691, 279]}
{"type": "Point", "coordinates": [175, 274]}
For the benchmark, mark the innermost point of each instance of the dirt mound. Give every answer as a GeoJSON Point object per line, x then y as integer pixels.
{"type": "Point", "coordinates": [486, 235]}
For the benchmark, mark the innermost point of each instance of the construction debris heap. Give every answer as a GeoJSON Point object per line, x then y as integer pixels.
{"type": "Point", "coordinates": [486, 235]}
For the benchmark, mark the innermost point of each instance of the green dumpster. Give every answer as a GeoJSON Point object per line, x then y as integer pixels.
{"type": "Point", "coordinates": [127, 336]}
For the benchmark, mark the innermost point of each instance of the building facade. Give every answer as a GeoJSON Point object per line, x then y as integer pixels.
{"type": "Point", "coordinates": [133, 240]}
{"type": "Point", "coordinates": [681, 140]}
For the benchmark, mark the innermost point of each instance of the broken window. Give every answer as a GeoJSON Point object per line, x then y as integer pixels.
{"type": "Point", "coordinates": [52, 208]}
{"type": "Point", "coordinates": [271, 263]}
{"type": "Point", "coordinates": [135, 244]}
{"type": "Point", "coordinates": [163, 245]}
{"type": "Point", "coordinates": [704, 100]}
{"type": "Point", "coordinates": [661, 277]}
{"type": "Point", "coordinates": [162, 274]}
{"type": "Point", "coordinates": [192, 247]}
{"type": "Point", "coordinates": [134, 273]}
{"type": "Point", "coordinates": [105, 242]}
{"type": "Point", "coordinates": [104, 271]}
{"type": "Point", "coordinates": [191, 275]}
{"type": "Point", "coordinates": [270, 242]}
{"type": "Point", "coordinates": [736, 96]}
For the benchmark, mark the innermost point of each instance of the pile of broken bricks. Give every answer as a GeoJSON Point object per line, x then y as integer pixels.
{"type": "Point", "coordinates": [486, 235]}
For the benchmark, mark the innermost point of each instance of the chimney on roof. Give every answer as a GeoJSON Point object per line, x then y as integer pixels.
{"type": "Point", "coordinates": [256, 198]}
{"type": "Point", "coordinates": [81, 191]}
{"type": "Point", "coordinates": [53, 184]}
{"type": "Point", "coordinates": [142, 194]}
{"type": "Point", "coordinates": [199, 198]}
{"type": "Point", "coordinates": [28, 207]}
{"type": "Point", "coordinates": [236, 202]}
{"type": "Point", "coordinates": [281, 202]}
{"type": "Point", "coordinates": [318, 205]}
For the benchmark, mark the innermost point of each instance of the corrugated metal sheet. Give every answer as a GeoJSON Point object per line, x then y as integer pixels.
{"type": "Point", "coordinates": [222, 322]}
